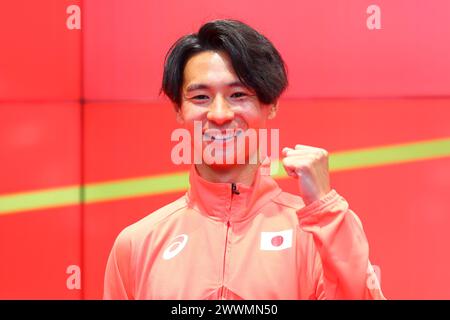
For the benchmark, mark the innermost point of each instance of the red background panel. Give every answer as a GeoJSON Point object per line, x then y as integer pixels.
{"type": "Point", "coordinates": [103, 223]}
{"type": "Point", "coordinates": [120, 55]}
{"type": "Point", "coordinates": [124, 140]}
{"type": "Point", "coordinates": [39, 56]}
{"type": "Point", "coordinates": [40, 145]}
{"type": "Point", "coordinates": [328, 48]}
{"type": "Point", "coordinates": [40, 149]}
{"type": "Point", "coordinates": [331, 53]}
{"type": "Point", "coordinates": [35, 250]}
{"type": "Point", "coordinates": [342, 124]}
{"type": "Point", "coordinates": [404, 211]}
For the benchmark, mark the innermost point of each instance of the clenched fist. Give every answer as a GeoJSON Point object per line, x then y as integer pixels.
{"type": "Point", "coordinates": [310, 166]}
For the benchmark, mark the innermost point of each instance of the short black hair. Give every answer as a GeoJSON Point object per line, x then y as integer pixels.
{"type": "Point", "coordinates": [258, 65]}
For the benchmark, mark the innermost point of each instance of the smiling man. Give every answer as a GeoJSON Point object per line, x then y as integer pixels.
{"type": "Point", "coordinates": [235, 234]}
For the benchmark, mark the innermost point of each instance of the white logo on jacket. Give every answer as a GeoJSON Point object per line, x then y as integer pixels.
{"type": "Point", "coordinates": [177, 244]}
{"type": "Point", "coordinates": [278, 240]}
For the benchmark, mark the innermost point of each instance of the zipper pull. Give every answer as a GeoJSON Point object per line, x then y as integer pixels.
{"type": "Point", "coordinates": [234, 189]}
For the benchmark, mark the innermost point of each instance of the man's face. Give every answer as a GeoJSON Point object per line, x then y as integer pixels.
{"type": "Point", "coordinates": [213, 95]}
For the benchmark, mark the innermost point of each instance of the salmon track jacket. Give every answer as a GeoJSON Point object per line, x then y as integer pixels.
{"type": "Point", "coordinates": [226, 241]}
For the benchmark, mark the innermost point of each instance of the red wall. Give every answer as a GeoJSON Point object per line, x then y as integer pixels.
{"type": "Point", "coordinates": [82, 106]}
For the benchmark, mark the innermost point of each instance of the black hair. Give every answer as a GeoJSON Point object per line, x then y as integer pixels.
{"type": "Point", "coordinates": [257, 63]}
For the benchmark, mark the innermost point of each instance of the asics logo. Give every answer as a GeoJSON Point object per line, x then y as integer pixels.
{"type": "Point", "coordinates": [177, 244]}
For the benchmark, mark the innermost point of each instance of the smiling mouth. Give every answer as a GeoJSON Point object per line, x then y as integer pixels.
{"type": "Point", "coordinates": [221, 136]}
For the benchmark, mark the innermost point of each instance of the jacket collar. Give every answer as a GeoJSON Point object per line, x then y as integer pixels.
{"type": "Point", "coordinates": [217, 200]}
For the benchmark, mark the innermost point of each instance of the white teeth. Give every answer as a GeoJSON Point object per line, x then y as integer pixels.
{"type": "Point", "coordinates": [220, 136]}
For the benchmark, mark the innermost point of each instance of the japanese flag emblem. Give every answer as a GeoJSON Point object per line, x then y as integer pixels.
{"type": "Point", "coordinates": [278, 240]}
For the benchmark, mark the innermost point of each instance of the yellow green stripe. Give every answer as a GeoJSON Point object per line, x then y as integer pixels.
{"type": "Point", "coordinates": [175, 182]}
{"type": "Point", "coordinates": [130, 188]}
{"type": "Point", "coordinates": [40, 199]}
{"type": "Point", "coordinates": [385, 155]}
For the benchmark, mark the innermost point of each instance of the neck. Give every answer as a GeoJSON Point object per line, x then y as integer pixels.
{"type": "Point", "coordinates": [243, 173]}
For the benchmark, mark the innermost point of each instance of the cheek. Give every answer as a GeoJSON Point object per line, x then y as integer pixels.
{"type": "Point", "coordinates": [193, 121]}
{"type": "Point", "coordinates": [191, 113]}
{"type": "Point", "coordinates": [255, 118]}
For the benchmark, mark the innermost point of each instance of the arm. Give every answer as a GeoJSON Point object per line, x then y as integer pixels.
{"type": "Point", "coordinates": [344, 268]}
{"type": "Point", "coordinates": [117, 285]}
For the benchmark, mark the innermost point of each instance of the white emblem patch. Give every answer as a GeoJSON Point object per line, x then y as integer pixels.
{"type": "Point", "coordinates": [278, 240]}
{"type": "Point", "coordinates": [175, 247]}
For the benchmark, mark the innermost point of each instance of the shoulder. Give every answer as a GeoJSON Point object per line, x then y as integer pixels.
{"type": "Point", "coordinates": [289, 200]}
{"type": "Point", "coordinates": [144, 227]}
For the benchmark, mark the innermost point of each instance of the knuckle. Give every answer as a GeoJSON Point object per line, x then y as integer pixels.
{"type": "Point", "coordinates": [323, 152]}
{"type": "Point", "coordinates": [305, 167]}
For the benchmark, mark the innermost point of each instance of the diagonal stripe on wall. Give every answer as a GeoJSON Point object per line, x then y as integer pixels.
{"type": "Point", "coordinates": [177, 182]}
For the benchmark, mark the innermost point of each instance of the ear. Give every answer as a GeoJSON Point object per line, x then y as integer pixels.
{"type": "Point", "coordinates": [179, 116]}
{"type": "Point", "coordinates": [273, 110]}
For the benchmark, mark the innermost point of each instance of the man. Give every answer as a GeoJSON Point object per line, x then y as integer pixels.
{"type": "Point", "coordinates": [236, 234]}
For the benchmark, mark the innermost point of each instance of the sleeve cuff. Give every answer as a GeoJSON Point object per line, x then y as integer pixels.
{"type": "Point", "coordinates": [319, 205]}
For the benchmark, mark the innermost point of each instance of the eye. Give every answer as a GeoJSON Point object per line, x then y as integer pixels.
{"type": "Point", "coordinates": [239, 95]}
{"type": "Point", "coordinates": [200, 97]}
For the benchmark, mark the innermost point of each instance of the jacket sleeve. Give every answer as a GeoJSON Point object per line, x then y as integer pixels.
{"type": "Point", "coordinates": [344, 268]}
{"type": "Point", "coordinates": [117, 281]}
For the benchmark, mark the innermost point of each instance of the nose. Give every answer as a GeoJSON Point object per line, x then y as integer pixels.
{"type": "Point", "coordinates": [219, 111]}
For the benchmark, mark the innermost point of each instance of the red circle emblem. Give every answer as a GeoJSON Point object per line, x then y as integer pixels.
{"type": "Point", "coordinates": [277, 241]}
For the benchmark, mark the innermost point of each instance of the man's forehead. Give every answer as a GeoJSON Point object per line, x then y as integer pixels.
{"type": "Point", "coordinates": [208, 59]}
{"type": "Point", "coordinates": [209, 68]}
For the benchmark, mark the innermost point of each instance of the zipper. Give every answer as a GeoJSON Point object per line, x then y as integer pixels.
{"type": "Point", "coordinates": [234, 191]}
{"type": "Point", "coordinates": [221, 295]}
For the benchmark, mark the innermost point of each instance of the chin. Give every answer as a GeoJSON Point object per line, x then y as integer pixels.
{"type": "Point", "coordinates": [234, 163]}
{"type": "Point", "coordinates": [223, 166]}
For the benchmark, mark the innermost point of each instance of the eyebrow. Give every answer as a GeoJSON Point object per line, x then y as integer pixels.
{"type": "Point", "coordinates": [200, 86]}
